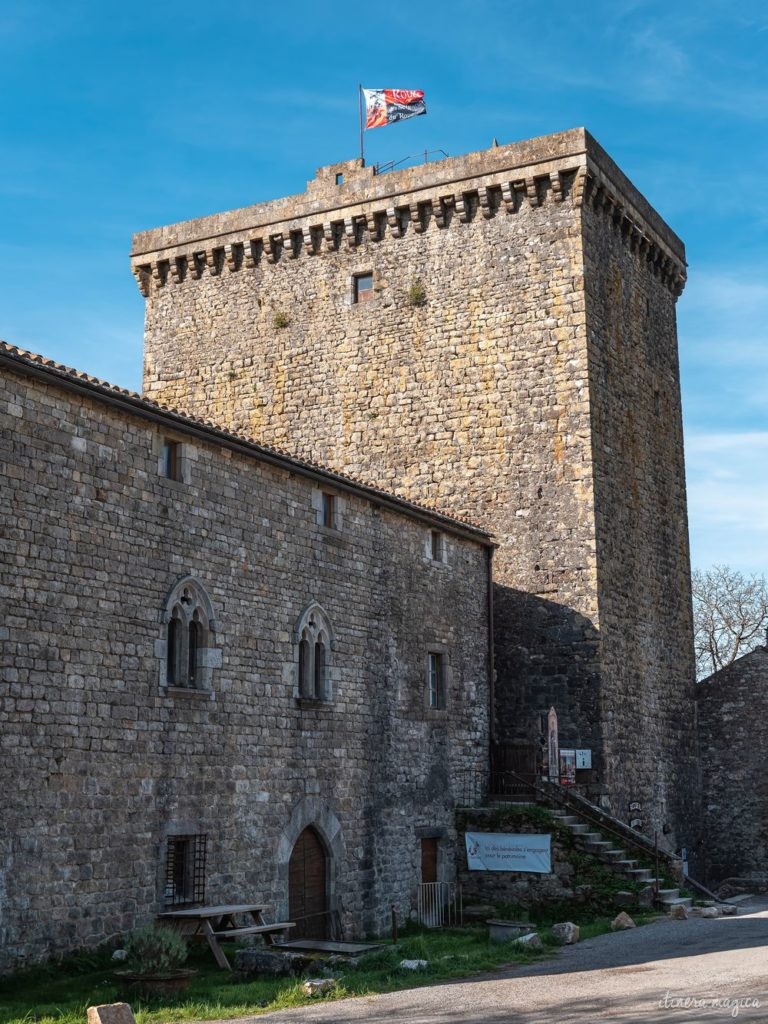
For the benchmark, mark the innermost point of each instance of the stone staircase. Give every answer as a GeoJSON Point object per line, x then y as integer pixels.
{"type": "Point", "coordinates": [615, 857]}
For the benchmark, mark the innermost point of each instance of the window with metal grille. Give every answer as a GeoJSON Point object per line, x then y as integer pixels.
{"type": "Point", "coordinates": [185, 870]}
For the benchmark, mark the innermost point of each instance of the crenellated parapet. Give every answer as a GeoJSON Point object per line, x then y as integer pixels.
{"type": "Point", "coordinates": [336, 215]}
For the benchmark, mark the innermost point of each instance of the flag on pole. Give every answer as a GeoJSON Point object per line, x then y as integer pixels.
{"type": "Point", "coordinates": [385, 106]}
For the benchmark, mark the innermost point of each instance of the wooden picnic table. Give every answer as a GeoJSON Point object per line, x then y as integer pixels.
{"type": "Point", "coordinates": [219, 922]}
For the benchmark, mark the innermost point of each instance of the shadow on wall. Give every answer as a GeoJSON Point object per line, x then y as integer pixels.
{"type": "Point", "coordinates": [547, 655]}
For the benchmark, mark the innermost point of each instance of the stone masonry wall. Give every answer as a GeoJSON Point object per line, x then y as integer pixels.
{"type": "Point", "coordinates": [476, 400]}
{"type": "Point", "coordinates": [101, 763]}
{"type": "Point", "coordinates": [490, 396]}
{"type": "Point", "coordinates": [644, 588]}
{"type": "Point", "coordinates": [734, 835]}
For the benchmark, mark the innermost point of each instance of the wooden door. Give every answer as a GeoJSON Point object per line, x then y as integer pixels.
{"type": "Point", "coordinates": [307, 901]}
{"type": "Point", "coordinates": [428, 860]}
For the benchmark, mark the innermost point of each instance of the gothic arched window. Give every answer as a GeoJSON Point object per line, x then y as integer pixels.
{"type": "Point", "coordinates": [314, 639]}
{"type": "Point", "coordinates": [190, 653]}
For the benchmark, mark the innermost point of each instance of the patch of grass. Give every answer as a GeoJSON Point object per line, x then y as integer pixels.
{"type": "Point", "coordinates": [59, 993]}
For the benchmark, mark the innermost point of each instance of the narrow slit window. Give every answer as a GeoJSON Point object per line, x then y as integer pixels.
{"type": "Point", "coordinates": [329, 510]}
{"type": "Point", "coordinates": [171, 460]}
{"type": "Point", "coordinates": [319, 670]}
{"type": "Point", "coordinates": [173, 650]}
{"type": "Point", "coordinates": [194, 646]}
{"type": "Point", "coordinates": [363, 287]}
{"type": "Point", "coordinates": [339, 179]}
{"type": "Point", "coordinates": [435, 681]}
{"type": "Point", "coordinates": [436, 545]}
{"type": "Point", "coordinates": [304, 668]}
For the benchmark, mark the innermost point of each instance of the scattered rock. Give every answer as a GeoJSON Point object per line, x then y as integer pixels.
{"type": "Point", "coordinates": [624, 899]}
{"type": "Point", "coordinates": [257, 961]}
{"type": "Point", "coordinates": [710, 912]}
{"type": "Point", "coordinates": [566, 932]}
{"type": "Point", "coordinates": [111, 1013]}
{"type": "Point", "coordinates": [678, 912]}
{"type": "Point", "coordinates": [530, 941]}
{"type": "Point", "coordinates": [339, 960]}
{"type": "Point", "coordinates": [729, 910]}
{"type": "Point", "coordinates": [646, 896]}
{"type": "Point", "coordinates": [318, 986]}
{"type": "Point", "coordinates": [119, 955]}
{"type": "Point", "coordinates": [414, 965]}
{"type": "Point", "coordinates": [621, 922]}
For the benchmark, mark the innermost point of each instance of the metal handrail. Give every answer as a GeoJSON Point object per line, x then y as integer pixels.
{"type": "Point", "coordinates": [550, 792]}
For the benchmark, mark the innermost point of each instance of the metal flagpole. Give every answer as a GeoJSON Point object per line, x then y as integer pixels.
{"type": "Point", "coordinates": [360, 104]}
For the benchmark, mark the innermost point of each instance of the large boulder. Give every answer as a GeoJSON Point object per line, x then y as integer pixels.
{"type": "Point", "coordinates": [621, 922]}
{"type": "Point", "coordinates": [710, 912]}
{"type": "Point", "coordinates": [255, 961]}
{"type": "Point", "coordinates": [318, 986]}
{"type": "Point", "coordinates": [566, 932]}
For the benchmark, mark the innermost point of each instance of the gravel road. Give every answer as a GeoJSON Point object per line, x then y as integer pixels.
{"type": "Point", "coordinates": [624, 977]}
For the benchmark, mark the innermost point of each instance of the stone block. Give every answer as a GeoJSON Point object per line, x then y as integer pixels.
{"type": "Point", "coordinates": [566, 932]}
{"type": "Point", "coordinates": [318, 986]}
{"type": "Point", "coordinates": [256, 961]}
{"type": "Point", "coordinates": [678, 912]}
{"type": "Point", "coordinates": [111, 1013]}
{"type": "Point", "coordinates": [621, 922]}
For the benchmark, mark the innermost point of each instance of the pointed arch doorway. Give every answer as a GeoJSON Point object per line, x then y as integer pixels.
{"type": "Point", "coordinates": [307, 886]}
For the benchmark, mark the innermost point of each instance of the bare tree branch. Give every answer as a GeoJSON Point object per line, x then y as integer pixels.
{"type": "Point", "coordinates": [730, 616]}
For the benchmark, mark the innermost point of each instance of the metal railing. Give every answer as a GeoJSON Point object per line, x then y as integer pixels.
{"type": "Point", "coordinates": [482, 789]}
{"type": "Point", "coordinates": [440, 905]}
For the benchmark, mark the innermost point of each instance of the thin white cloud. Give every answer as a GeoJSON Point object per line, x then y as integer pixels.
{"type": "Point", "coordinates": [728, 499]}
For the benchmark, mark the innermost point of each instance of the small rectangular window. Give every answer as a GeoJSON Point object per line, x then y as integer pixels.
{"type": "Point", "coordinates": [339, 179]}
{"type": "Point", "coordinates": [436, 545]}
{"type": "Point", "coordinates": [171, 459]}
{"type": "Point", "coordinates": [185, 870]}
{"type": "Point", "coordinates": [329, 510]}
{"type": "Point", "coordinates": [435, 680]}
{"type": "Point", "coordinates": [363, 287]}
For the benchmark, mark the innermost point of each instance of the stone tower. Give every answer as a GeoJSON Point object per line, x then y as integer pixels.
{"type": "Point", "coordinates": [493, 334]}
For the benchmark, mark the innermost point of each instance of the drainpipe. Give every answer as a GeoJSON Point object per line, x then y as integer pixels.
{"type": "Point", "coordinates": [491, 658]}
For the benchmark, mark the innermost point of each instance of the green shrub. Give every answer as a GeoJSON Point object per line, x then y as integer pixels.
{"type": "Point", "coordinates": [417, 293]}
{"type": "Point", "coordinates": [281, 319]}
{"type": "Point", "coordinates": [153, 950]}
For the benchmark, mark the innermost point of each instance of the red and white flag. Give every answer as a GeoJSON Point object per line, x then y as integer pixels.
{"type": "Point", "coordinates": [385, 106]}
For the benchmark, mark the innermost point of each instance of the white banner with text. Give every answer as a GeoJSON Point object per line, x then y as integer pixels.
{"type": "Point", "coordinates": [506, 851]}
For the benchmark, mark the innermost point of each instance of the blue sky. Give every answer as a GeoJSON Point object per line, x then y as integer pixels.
{"type": "Point", "coordinates": [117, 117]}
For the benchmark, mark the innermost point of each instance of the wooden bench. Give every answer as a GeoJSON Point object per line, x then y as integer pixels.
{"type": "Point", "coordinates": [214, 923]}
{"type": "Point", "coordinates": [256, 929]}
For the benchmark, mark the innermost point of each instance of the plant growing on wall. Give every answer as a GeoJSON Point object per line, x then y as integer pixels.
{"type": "Point", "coordinates": [417, 293]}
{"type": "Point", "coordinates": [281, 319]}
